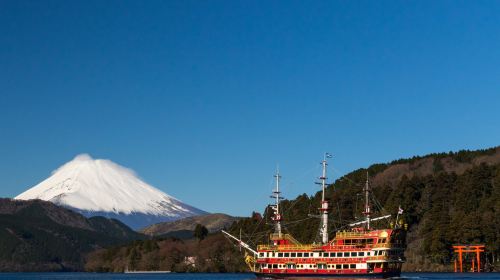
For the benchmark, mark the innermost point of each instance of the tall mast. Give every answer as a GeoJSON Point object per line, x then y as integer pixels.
{"type": "Point", "coordinates": [367, 202]}
{"type": "Point", "coordinates": [324, 203]}
{"type": "Point", "coordinates": [276, 207]}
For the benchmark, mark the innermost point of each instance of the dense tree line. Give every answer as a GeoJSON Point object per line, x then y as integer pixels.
{"type": "Point", "coordinates": [212, 253]}
{"type": "Point", "coordinates": [441, 209]}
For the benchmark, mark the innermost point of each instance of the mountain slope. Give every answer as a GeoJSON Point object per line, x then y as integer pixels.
{"type": "Point", "coordinates": [459, 162]}
{"type": "Point", "coordinates": [213, 222]}
{"type": "Point", "coordinates": [96, 187]}
{"type": "Point", "coordinates": [39, 236]}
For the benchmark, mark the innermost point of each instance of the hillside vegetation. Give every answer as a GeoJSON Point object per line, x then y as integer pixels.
{"type": "Point", "coordinates": [40, 236]}
{"type": "Point", "coordinates": [211, 254]}
{"type": "Point", "coordinates": [448, 198]}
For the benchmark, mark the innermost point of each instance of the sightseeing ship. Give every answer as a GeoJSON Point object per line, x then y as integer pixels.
{"type": "Point", "coordinates": [360, 250]}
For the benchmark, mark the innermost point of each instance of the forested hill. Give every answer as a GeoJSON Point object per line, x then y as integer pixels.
{"type": "Point", "coordinates": [39, 236]}
{"type": "Point", "coordinates": [448, 198]}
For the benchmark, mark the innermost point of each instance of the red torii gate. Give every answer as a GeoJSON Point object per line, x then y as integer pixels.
{"type": "Point", "coordinates": [460, 249]}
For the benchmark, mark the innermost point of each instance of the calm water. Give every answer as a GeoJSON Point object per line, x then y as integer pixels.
{"type": "Point", "coordinates": [214, 276]}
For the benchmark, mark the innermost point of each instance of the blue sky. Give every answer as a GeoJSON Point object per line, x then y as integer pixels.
{"type": "Point", "coordinates": [204, 98]}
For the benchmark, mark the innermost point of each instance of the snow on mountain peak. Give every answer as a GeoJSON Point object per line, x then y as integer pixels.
{"type": "Point", "coordinates": [83, 157]}
{"type": "Point", "coordinates": [100, 185]}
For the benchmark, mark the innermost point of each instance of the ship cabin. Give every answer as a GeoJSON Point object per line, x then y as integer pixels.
{"type": "Point", "coordinates": [356, 251]}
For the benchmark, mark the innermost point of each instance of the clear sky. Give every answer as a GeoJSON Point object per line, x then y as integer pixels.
{"type": "Point", "coordinates": [204, 98]}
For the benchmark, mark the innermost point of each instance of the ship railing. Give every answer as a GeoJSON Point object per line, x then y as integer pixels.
{"type": "Point", "coordinates": [378, 258]}
{"type": "Point", "coordinates": [310, 247]}
{"type": "Point", "coordinates": [382, 245]}
{"type": "Point", "coordinates": [288, 247]}
{"type": "Point", "coordinates": [346, 234]}
{"type": "Point", "coordinates": [388, 245]}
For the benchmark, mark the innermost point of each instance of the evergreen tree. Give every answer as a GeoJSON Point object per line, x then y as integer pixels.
{"type": "Point", "coordinates": [200, 232]}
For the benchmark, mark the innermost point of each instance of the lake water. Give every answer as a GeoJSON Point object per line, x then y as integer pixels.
{"type": "Point", "coordinates": [214, 276]}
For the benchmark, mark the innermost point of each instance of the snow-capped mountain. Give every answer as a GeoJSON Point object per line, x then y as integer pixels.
{"type": "Point", "coordinates": [99, 187]}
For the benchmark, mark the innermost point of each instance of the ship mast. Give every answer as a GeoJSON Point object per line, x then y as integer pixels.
{"type": "Point", "coordinates": [367, 211]}
{"type": "Point", "coordinates": [276, 207]}
{"type": "Point", "coordinates": [324, 202]}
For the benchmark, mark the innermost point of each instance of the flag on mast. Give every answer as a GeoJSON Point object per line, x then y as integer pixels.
{"type": "Point", "coordinates": [400, 210]}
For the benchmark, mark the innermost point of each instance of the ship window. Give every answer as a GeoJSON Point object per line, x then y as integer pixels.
{"type": "Point", "coordinates": [293, 255]}
{"type": "Point", "coordinates": [354, 254]}
{"type": "Point", "coordinates": [334, 254]}
{"type": "Point", "coordinates": [361, 254]}
{"type": "Point", "coordinates": [261, 255]}
{"type": "Point", "coordinates": [299, 255]}
{"type": "Point", "coordinates": [275, 266]}
{"type": "Point", "coordinates": [338, 266]}
{"type": "Point", "coordinates": [306, 255]}
{"type": "Point", "coordinates": [347, 254]}
{"type": "Point", "coordinates": [352, 266]}
{"type": "Point", "coordinates": [344, 266]}
{"type": "Point", "coordinates": [280, 255]}
{"type": "Point", "coordinates": [287, 255]}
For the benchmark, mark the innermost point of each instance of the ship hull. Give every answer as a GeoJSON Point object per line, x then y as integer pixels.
{"type": "Point", "coordinates": [358, 276]}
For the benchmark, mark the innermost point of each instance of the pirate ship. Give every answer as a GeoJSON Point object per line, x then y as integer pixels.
{"type": "Point", "coordinates": [358, 250]}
